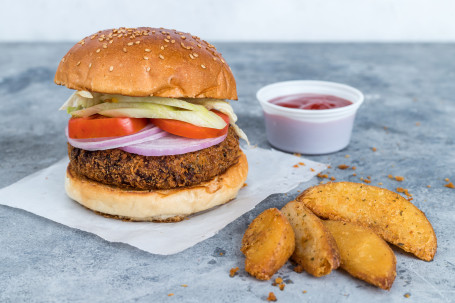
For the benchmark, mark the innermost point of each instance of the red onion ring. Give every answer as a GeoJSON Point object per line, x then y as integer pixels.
{"type": "Point", "coordinates": [148, 133]}
{"type": "Point", "coordinates": [171, 145]}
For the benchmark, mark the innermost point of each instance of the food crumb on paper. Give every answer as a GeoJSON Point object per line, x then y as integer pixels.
{"type": "Point", "coordinates": [449, 185]}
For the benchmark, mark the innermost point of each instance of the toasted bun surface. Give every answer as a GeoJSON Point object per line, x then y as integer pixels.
{"type": "Point", "coordinates": [159, 205]}
{"type": "Point", "coordinates": [147, 61]}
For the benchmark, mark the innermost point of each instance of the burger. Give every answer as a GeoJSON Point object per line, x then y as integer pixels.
{"type": "Point", "coordinates": [151, 135]}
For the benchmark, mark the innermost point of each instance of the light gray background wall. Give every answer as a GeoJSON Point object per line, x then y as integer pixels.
{"type": "Point", "coordinates": [235, 20]}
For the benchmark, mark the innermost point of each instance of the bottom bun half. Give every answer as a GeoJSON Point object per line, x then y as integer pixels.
{"type": "Point", "coordinates": [171, 205]}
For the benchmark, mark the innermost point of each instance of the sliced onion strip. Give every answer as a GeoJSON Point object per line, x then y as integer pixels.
{"type": "Point", "coordinates": [148, 133]}
{"type": "Point", "coordinates": [171, 145]}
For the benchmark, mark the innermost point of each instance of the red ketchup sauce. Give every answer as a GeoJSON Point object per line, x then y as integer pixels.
{"type": "Point", "coordinates": [310, 101]}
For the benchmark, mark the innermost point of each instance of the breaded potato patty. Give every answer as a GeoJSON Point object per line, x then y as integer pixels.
{"type": "Point", "coordinates": [130, 171]}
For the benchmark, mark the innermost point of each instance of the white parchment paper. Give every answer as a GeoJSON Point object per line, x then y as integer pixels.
{"type": "Point", "coordinates": [270, 171]}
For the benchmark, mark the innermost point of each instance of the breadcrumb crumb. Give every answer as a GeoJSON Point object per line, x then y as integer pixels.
{"type": "Point", "coordinates": [354, 174]}
{"type": "Point", "coordinates": [282, 286]}
{"type": "Point", "coordinates": [374, 149]}
{"type": "Point", "coordinates": [301, 163]}
{"type": "Point", "coordinates": [245, 184]}
{"type": "Point", "coordinates": [170, 295]}
{"type": "Point", "coordinates": [298, 269]}
{"type": "Point", "coordinates": [399, 178]}
{"type": "Point", "coordinates": [343, 166]}
{"type": "Point", "coordinates": [279, 280]}
{"type": "Point", "coordinates": [347, 156]}
{"type": "Point", "coordinates": [271, 297]}
{"type": "Point", "coordinates": [428, 186]}
{"type": "Point", "coordinates": [297, 154]}
{"type": "Point", "coordinates": [449, 185]}
{"type": "Point", "coordinates": [332, 178]}
{"type": "Point", "coordinates": [446, 179]}
{"type": "Point", "coordinates": [296, 165]}
{"type": "Point", "coordinates": [354, 167]}
{"type": "Point", "coordinates": [312, 169]}
{"type": "Point", "coordinates": [407, 295]}
{"type": "Point", "coordinates": [304, 291]}
{"type": "Point", "coordinates": [233, 271]}
{"type": "Point", "coordinates": [184, 285]}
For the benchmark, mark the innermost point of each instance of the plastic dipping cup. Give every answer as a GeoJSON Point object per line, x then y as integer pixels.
{"type": "Point", "coordinates": [309, 132]}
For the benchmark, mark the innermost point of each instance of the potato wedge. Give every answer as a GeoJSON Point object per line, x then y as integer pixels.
{"type": "Point", "coordinates": [387, 213]}
{"type": "Point", "coordinates": [315, 249]}
{"type": "Point", "coordinates": [364, 254]}
{"type": "Point", "coordinates": [267, 244]}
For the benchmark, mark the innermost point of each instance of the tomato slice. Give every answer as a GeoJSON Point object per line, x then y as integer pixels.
{"type": "Point", "coordinates": [97, 126]}
{"type": "Point", "coordinates": [188, 130]}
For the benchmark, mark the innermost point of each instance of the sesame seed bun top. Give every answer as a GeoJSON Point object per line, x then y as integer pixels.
{"type": "Point", "coordinates": [147, 61]}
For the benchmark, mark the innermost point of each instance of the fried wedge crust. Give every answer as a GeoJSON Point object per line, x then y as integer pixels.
{"type": "Point", "coordinates": [387, 213]}
{"type": "Point", "coordinates": [315, 249]}
{"type": "Point", "coordinates": [364, 254]}
{"type": "Point", "coordinates": [267, 244]}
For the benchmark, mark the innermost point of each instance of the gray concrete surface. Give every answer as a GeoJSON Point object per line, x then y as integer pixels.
{"type": "Point", "coordinates": [408, 116]}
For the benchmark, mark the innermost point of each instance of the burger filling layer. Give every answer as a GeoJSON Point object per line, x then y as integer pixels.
{"type": "Point", "coordinates": [131, 171]}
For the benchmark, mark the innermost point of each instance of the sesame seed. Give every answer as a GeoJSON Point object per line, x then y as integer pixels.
{"type": "Point", "coordinates": [196, 55]}
{"type": "Point", "coordinates": [104, 45]}
{"type": "Point", "coordinates": [215, 59]}
{"type": "Point", "coordinates": [124, 49]}
{"type": "Point", "coordinates": [130, 43]}
{"type": "Point", "coordinates": [166, 40]}
{"type": "Point", "coordinates": [92, 37]}
{"type": "Point", "coordinates": [111, 68]}
{"type": "Point", "coordinates": [137, 42]}
{"type": "Point", "coordinates": [100, 39]}
{"type": "Point", "coordinates": [111, 41]}
{"type": "Point", "coordinates": [90, 65]}
{"type": "Point", "coordinates": [162, 47]}
{"type": "Point", "coordinates": [63, 59]}
{"type": "Point", "coordinates": [172, 41]}
{"type": "Point", "coordinates": [222, 60]}
{"type": "Point", "coordinates": [153, 32]}
{"type": "Point", "coordinates": [146, 58]}
{"type": "Point", "coordinates": [183, 37]}
{"type": "Point", "coordinates": [199, 45]}
{"type": "Point", "coordinates": [203, 66]}
{"type": "Point", "coordinates": [120, 36]}
{"type": "Point", "coordinates": [148, 68]}
{"type": "Point", "coordinates": [169, 37]}
{"type": "Point", "coordinates": [191, 56]}
{"type": "Point", "coordinates": [98, 50]}
{"type": "Point", "coordinates": [79, 62]}
{"type": "Point", "coordinates": [161, 56]}
{"type": "Point", "coordinates": [183, 45]}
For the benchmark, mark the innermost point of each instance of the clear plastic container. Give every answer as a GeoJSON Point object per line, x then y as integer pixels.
{"type": "Point", "coordinates": [309, 132]}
